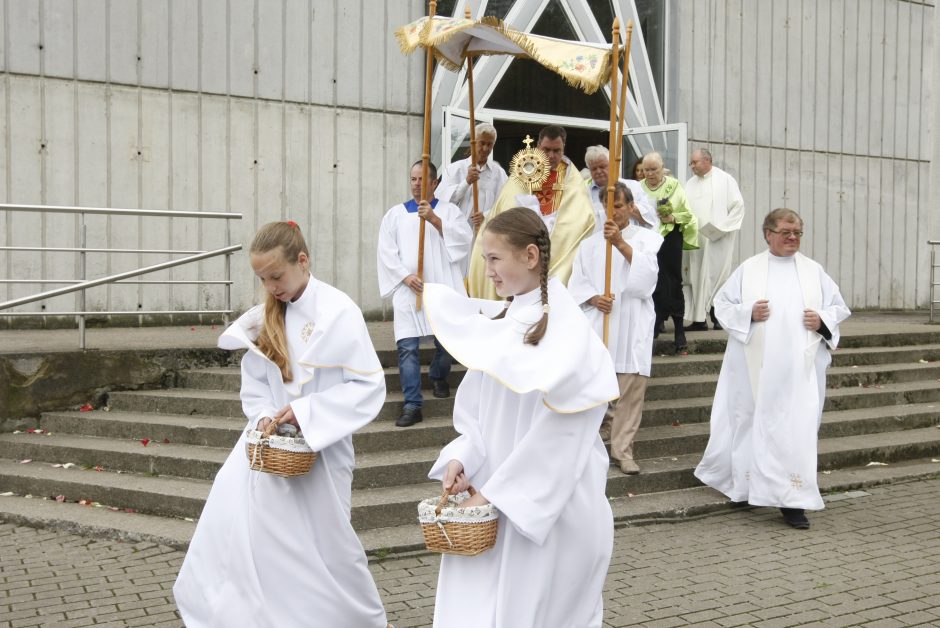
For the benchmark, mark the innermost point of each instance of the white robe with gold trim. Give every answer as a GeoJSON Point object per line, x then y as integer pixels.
{"type": "Point", "coordinates": [528, 418]}
{"type": "Point", "coordinates": [771, 390]}
{"type": "Point", "coordinates": [273, 551]}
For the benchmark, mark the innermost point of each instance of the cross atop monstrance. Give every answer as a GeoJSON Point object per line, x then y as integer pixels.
{"type": "Point", "coordinates": [528, 141]}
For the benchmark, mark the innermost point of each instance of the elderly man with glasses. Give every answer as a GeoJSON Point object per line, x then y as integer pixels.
{"type": "Point", "coordinates": [782, 314]}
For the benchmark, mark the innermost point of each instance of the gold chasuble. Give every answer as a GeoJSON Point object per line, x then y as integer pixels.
{"type": "Point", "coordinates": [565, 193]}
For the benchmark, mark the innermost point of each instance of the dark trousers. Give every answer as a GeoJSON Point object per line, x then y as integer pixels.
{"type": "Point", "coordinates": [409, 368]}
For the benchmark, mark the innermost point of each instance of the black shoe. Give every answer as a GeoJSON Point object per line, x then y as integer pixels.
{"type": "Point", "coordinates": [409, 416]}
{"type": "Point", "coordinates": [796, 517]}
{"type": "Point", "coordinates": [740, 504]}
{"type": "Point", "coordinates": [440, 388]}
{"type": "Point", "coordinates": [715, 324]}
{"type": "Point", "coordinates": [698, 326]}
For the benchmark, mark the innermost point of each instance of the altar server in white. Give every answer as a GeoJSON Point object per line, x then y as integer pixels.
{"type": "Point", "coordinates": [781, 311]}
{"type": "Point", "coordinates": [528, 411]}
{"type": "Point", "coordinates": [633, 274]}
{"type": "Point", "coordinates": [273, 551]}
{"type": "Point", "coordinates": [719, 207]}
{"type": "Point", "coordinates": [447, 241]}
{"type": "Point", "coordinates": [643, 213]}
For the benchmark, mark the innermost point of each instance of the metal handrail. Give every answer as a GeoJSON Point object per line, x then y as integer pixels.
{"type": "Point", "coordinates": [81, 285]}
{"type": "Point", "coordinates": [934, 280]}
{"type": "Point", "coordinates": [91, 283]}
{"type": "Point", "coordinates": [69, 209]}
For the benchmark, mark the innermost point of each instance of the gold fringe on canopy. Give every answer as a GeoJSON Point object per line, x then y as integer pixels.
{"type": "Point", "coordinates": [585, 66]}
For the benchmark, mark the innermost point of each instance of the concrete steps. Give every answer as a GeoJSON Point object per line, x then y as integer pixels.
{"type": "Point", "coordinates": [883, 405]}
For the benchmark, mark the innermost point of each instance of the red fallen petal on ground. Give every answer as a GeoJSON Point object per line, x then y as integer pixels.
{"type": "Point", "coordinates": [86, 408]}
{"type": "Point", "coordinates": [99, 468]}
{"type": "Point", "coordinates": [676, 424]}
{"type": "Point", "coordinates": [60, 498]}
{"type": "Point", "coordinates": [144, 441]}
{"type": "Point", "coordinates": [166, 441]}
{"type": "Point", "coordinates": [130, 510]}
{"type": "Point", "coordinates": [85, 502]}
{"type": "Point", "coordinates": [192, 329]}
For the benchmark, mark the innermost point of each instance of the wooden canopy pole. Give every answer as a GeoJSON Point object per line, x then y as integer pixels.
{"type": "Point", "coordinates": [426, 152]}
{"type": "Point", "coordinates": [623, 94]}
{"type": "Point", "coordinates": [473, 128]}
{"type": "Point", "coordinates": [611, 173]}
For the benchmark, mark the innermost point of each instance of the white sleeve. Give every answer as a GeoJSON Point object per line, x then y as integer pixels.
{"type": "Point", "coordinates": [642, 274]}
{"type": "Point", "coordinates": [390, 269]}
{"type": "Point", "coordinates": [734, 315]}
{"type": "Point", "coordinates": [468, 447]}
{"type": "Point", "coordinates": [257, 400]}
{"type": "Point", "coordinates": [330, 415]}
{"type": "Point", "coordinates": [736, 207]}
{"type": "Point", "coordinates": [457, 234]}
{"type": "Point", "coordinates": [579, 284]}
{"type": "Point", "coordinates": [834, 309]}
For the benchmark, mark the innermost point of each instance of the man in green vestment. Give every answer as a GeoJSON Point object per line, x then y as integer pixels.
{"type": "Point", "coordinates": [563, 203]}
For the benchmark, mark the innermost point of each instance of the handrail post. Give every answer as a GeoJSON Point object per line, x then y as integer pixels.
{"type": "Point", "coordinates": [82, 275]}
{"type": "Point", "coordinates": [933, 277]}
{"type": "Point", "coordinates": [228, 273]}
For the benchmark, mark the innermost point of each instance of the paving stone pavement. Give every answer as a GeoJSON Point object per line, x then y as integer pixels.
{"type": "Point", "coordinates": [870, 559]}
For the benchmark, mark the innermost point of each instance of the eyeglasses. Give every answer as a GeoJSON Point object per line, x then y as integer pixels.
{"type": "Point", "coordinates": [786, 233]}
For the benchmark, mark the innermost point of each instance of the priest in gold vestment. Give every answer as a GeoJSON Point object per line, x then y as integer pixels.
{"type": "Point", "coordinates": [563, 203]}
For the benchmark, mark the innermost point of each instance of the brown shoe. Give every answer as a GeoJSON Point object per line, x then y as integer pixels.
{"type": "Point", "coordinates": [629, 467]}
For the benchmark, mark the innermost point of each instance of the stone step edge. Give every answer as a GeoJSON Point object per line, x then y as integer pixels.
{"type": "Point", "coordinates": [386, 543]}
{"type": "Point", "coordinates": [693, 503]}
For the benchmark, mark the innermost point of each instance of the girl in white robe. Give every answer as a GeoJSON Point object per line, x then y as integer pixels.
{"type": "Point", "coordinates": [281, 552]}
{"type": "Point", "coordinates": [528, 413]}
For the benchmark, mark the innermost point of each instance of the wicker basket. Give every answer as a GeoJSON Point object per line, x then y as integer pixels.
{"type": "Point", "coordinates": [450, 529]}
{"type": "Point", "coordinates": [281, 455]}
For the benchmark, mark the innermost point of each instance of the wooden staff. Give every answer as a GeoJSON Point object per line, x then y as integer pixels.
{"type": "Point", "coordinates": [426, 152]}
{"type": "Point", "coordinates": [473, 130]}
{"type": "Point", "coordinates": [623, 94]}
{"type": "Point", "coordinates": [611, 178]}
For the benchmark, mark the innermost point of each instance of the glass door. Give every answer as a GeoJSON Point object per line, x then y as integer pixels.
{"type": "Point", "coordinates": [670, 140]}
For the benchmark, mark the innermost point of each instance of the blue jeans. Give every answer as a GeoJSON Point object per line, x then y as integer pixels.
{"type": "Point", "coordinates": [409, 368]}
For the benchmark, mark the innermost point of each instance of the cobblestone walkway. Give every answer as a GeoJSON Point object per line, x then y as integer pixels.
{"type": "Point", "coordinates": [869, 560]}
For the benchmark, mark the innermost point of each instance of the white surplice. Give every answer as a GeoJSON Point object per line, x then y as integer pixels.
{"type": "Point", "coordinates": [398, 257]}
{"type": "Point", "coordinates": [630, 331]}
{"type": "Point", "coordinates": [645, 204]}
{"type": "Point", "coordinates": [718, 205]}
{"type": "Point", "coordinates": [281, 552]}
{"type": "Point", "coordinates": [771, 389]}
{"type": "Point", "coordinates": [528, 418]}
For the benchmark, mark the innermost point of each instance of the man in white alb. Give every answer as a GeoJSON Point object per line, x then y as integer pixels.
{"type": "Point", "coordinates": [782, 314]}
{"type": "Point", "coordinates": [447, 240]}
{"type": "Point", "coordinates": [457, 179]}
{"type": "Point", "coordinates": [719, 207]}
{"type": "Point", "coordinates": [643, 214]}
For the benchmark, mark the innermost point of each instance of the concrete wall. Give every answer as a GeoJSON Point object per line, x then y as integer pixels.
{"type": "Point", "coordinates": [828, 107]}
{"type": "Point", "coordinates": [276, 109]}
{"type": "Point", "coordinates": [306, 109]}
